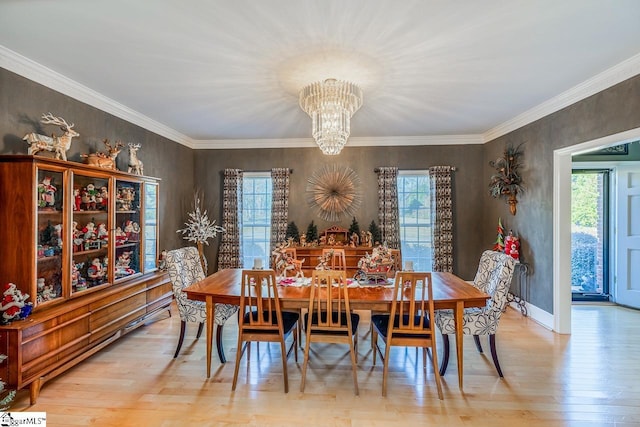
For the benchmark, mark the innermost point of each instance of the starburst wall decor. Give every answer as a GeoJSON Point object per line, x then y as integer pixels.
{"type": "Point", "coordinates": [334, 192]}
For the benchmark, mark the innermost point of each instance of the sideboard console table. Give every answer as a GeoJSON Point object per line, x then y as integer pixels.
{"type": "Point", "coordinates": [310, 254]}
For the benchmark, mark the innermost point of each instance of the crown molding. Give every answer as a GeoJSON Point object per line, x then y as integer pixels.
{"type": "Point", "coordinates": [610, 77]}
{"type": "Point", "coordinates": [392, 141]}
{"type": "Point", "coordinates": [25, 67]}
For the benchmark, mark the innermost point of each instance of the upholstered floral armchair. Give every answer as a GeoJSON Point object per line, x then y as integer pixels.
{"type": "Point", "coordinates": [493, 277]}
{"type": "Point", "coordinates": [185, 269]}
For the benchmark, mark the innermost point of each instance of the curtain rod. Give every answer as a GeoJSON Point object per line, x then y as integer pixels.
{"type": "Point", "coordinates": [453, 168]}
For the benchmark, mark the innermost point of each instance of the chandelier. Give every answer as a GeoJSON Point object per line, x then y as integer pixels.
{"type": "Point", "coordinates": [330, 104]}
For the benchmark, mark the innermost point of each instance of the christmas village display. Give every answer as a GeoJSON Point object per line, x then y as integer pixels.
{"type": "Point", "coordinates": [376, 265]}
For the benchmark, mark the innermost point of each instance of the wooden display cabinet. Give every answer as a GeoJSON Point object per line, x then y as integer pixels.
{"type": "Point", "coordinates": [82, 242]}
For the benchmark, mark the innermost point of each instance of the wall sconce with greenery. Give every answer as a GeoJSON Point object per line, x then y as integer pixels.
{"type": "Point", "coordinates": [506, 183]}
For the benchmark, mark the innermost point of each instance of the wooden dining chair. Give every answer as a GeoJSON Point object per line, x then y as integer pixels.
{"type": "Point", "coordinates": [329, 318]}
{"type": "Point", "coordinates": [397, 260]}
{"type": "Point", "coordinates": [262, 319]}
{"type": "Point", "coordinates": [338, 259]}
{"type": "Point", "coordinates": [412, 325]}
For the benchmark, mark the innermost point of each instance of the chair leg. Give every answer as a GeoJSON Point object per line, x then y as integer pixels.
{"type": "Point", "coordinates": [183, 327]}
{"type": "Point", "coordinates": [445, 355]}
{"type": "Point", "coordinates": [200, 328]}
{"type": "Point", "coordinates": [494, 354]}
{"type": "Point", "coordinates": [436, 373]}
{"type": "Point", "coordinates": [239, 351]}
{"type": "Point", "coordinates": [476, 338]}
{"type": "Point", "coordinates": [354, 365]}
{"type": "Point", "coordinates": [424, 359]}
{"type": "Point", "coordinates": [385, 369]}
{"type": "Point", "coordinates": [283, 350]}
{"type": "Point", "coordinates": [355, 345]}
{"type": "Point", "coordinates": [219, 343]}
{"type": "Point", "coordinates": [307, 343]}
{"type": "Point", "coordinates": [374, 344]}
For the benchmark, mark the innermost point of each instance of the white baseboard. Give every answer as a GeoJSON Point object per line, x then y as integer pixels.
{"type": "Point", "coordinates": [536, 314]}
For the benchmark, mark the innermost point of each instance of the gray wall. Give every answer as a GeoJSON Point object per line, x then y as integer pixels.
{"type": "Point", "coordinates": [611, 111]}
{"type": "Point", "coordinates": [614, 110]}
{"type": "Point", "coordinates": [363, 160]}
{"type": "Point", "coordinates": [22, 103]}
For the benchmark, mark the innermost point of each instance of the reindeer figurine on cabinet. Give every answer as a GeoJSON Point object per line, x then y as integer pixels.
{"type": "Point", "coordinates": [56, 144]}
{"type": "Point", "coordinates": [135, 164]}
{"type": "Point", "coordinates": [105, 160]}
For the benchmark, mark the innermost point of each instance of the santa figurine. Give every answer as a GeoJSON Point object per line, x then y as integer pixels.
{"type": "Point", "coordinates": [121, 236]}
{"type": "Point", "coordinates": [47, 193]}
{"type": "Point", "coordinates": [96, 271]}
{"type": "Point", "coordinates": [104, 198]}
{"type": "Point", "coordinates": [77, 199]}
{"type": "Point", "coordinates": [102, 233]}
{"type": "Point", "coordinates": [512, 246]}
{"type": "Point", "coordinates": [13, 302]}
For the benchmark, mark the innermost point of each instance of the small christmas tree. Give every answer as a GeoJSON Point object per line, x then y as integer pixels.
{"type": "Point", "coordinates": [312, 232]}
{"type": "Point", "coordinates": [355, 227]}
{"type": "Point", "coordinates": [376, 235]}
{"type": "Point", "coordinates": [292, 231]}
{"type": "Point", "coordinates": [499, 243]}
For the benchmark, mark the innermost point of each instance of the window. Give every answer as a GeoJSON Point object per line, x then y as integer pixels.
{"type": "Point", "coordinates": [414, 211]}
{"type": "Point", "coordinates": [256, 217]}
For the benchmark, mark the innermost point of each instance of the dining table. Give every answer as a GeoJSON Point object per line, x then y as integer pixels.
{"type": "Point", "coordinates": [449, 292]}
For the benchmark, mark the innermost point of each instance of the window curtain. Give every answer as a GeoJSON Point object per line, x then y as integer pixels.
{"type": "Point", "coordinates": [279, 205]}
{"type": "Point", "coordinates": [388, 206]}
{"type": "Point", "coordinates": [441, 218]}
{"type": "Point", "coordinates": [230, 253]}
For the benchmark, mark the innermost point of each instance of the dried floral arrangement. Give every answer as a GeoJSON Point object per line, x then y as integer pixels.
{"type": "Point", "coordinates": [199, 228]}
{"type": "Point", "coordinates": [506, 183]}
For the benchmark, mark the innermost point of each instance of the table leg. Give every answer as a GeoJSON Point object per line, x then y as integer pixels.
{"type": "Point", "coordinates": [210, 312]}
{"type": "Point", "coordinates": [459, 321]}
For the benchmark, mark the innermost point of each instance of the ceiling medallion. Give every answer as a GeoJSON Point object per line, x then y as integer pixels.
{"type": "Point", "coordinates": [334, 191]}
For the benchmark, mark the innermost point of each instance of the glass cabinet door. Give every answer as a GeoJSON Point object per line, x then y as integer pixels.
{"type": "Point", "coordinates": [90, 232]}
{"type": "Point", "coordinates": [150, 226]}
{"type": "Point", "coordinates": [127, 229]}
{"type": "Point", "coordinates": [49, 250]}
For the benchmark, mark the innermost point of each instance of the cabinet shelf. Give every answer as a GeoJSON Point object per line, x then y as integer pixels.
{"type": "Point", "coordinates": [91, 251]}
{"type": "Point", "coordinates": [95, 212]}
{"type": "Point", "coordinates": [48, 258]}
{"type": "Point", "coordinates": [128, 245]}
{"type": "Point", "coordinates": [48, 212]}
{"type": "Point", "coordinates": [126, 212]}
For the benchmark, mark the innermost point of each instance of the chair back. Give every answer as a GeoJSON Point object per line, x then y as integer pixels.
{"type": "Point", "coordinates": [412, 305]}
{"type": "Point", "coordinates": [338, 259]}
{"type": "Point", "coordinates": [259, 295]}
{"type": "Point", "coordinates": [184, 268]}
{"type": "Point", "coordinates": [397, 260]}
{"type": "Point", "coordinates": [493, 277]}
{"type": "Point", "coordinates": [329, 301]}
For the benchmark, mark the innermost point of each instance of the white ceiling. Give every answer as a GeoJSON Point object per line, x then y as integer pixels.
{"type": "Point", "coordinates": [209, 71]}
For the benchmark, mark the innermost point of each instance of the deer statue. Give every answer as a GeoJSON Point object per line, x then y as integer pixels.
{"type": "Point", "coordinates": [135, 164]}
{"type": "Point", "coordinates": [56, 144]}
{"type": "Point", "coordinates": [105, 160]}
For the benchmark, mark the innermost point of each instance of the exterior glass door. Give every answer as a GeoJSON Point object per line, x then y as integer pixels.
{"type": "Point", "coordinates": [590, 235]}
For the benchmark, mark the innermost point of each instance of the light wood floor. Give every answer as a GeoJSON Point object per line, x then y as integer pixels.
{"type": "Point", "coordinates": [590, 378]}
